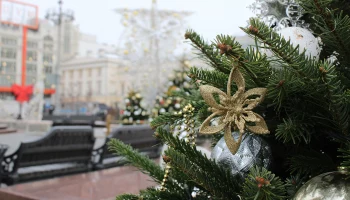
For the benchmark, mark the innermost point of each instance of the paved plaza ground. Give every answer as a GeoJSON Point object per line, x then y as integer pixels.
{"type": "Point", "coordinates": [98, 185]}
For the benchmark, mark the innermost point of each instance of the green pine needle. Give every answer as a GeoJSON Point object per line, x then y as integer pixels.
{"type": "Point", "coordinates": [310, 162]}
{"type": "Point", "coordinates": [272, 189]}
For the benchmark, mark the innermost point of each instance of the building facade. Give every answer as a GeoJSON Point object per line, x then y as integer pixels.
{"type": "Point", "coordinates": [40, 59]}
{"type": "Point", "coordinates": [88, 79]}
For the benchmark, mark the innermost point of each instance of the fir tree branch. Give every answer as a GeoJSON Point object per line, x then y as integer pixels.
{"type": "Point", "coordinates": [257, 66]}
{"type": "Point", "coordinates": [333, 28]}
{"type": "Point", "coordinates": [310, 73]}
{"type": "Point", "coordinates": [300, 64]}
{"type": "Point", "coordinates": [163, 119]}
{"type": "Point", "coordinates": [254, 65]}
{"type": "Point", "coordinates": [293, 184]}
{"type": "Point", "coordinates": [204, 172]}
{"type": "Point", "coordinates": [143, 163]}
{"type": "Point", "coordinates": [127, 197]}
{"type": "Point", "coordinates": [206, 179]}
{"type": "Point", "coordinates": [152, 194]}
{"type": "Point", "coordinates": [295, 131]}
{"type": "Point", "coordinates": [335, 94]}
{"type": "Point", "coordinates": [345, 155]}
{"type": "Point", "coordinates": [281, 86]}
{"type": "Point", "coordinates": [261, 184]}
{"type": "Point", "coordinates": [209, 52]}
{"type": "Point", "coordinates": [137, 160]}
{"type": "Point", "coordinates": [311, 162]}
{"type": "Point", "coordinates": [214, 78]}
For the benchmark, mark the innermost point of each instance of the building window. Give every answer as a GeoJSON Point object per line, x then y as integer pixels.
{"type": "Point", "coordinates": [89, 72]}
{"type": "Point", "coordinates": [8, 67]}
{"type": "Point", "coordinates": [48, 47]}
{"type": "Point", "coordinates": [80, 73]}
{"type": "Point", "coordinates": [79, 85]}
{"type": "Point", "coordinates": [71, 74]}
{"type": "Point", "coordinates": [32, 56]}
{"type": "Point", "coordinates": [6, 95]}
{"type": "Point", "coordinates": [48, 69]}
{"type": "Point", "coordinates": [47, 58]}
{"type": "Point", "coordinates": [30, 79]}
{"type": "Point", "coordinates": [8, 53]}
{"type": "Point", "coordinates": [79, 88]}
{"type": "Point", "coordinates": [32, 45]}
{"type": "Point", "coordinates": [31, 68]}
{"type": "Point", "coordinates": [99, 72]}
{"type": "Point", "coordinates": [48, 43]}
{"type": "Point", "coordinates": [89, 88]}
{"type": "Point", "coordinates": [9, 41]}
{"type": "Point", "coordinates": [7, 80]}
{"type": "Point", "coordinates": [99, 87]}
{"type": "Point", "coordinates": [48, 38]}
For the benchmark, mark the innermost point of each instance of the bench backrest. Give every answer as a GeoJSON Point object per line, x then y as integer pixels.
{"type": "Point", "coordinates": [61, 144]}
{"type": "Point", "coordinates": [72, 120]}
{"type": "Point", "coordinates": [140, 137]}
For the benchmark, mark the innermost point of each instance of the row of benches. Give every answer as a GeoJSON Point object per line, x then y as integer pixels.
{"type": "Point", "coordinates": [70, 149]}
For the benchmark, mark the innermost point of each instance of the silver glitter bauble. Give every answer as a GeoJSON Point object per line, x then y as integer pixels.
{"type": "Point", "coordinates": [327, 186]}
{"type": "Point", "coordinates": [253, 151]}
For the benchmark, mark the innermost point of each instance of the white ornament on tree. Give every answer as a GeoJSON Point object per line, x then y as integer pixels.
{"type": "Point", "coordinates": [162, 110]}
{"type": "Point", "coordinates": [304, 38]}
{"type": "Point", "coordinates": [137, 112]}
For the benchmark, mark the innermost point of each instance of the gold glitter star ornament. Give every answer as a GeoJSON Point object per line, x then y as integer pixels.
{"type": "Point", "coordinates": [233, 111]}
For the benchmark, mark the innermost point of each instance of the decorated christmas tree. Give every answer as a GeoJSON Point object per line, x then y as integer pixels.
{"type": "Point", "coordinates": [178, 82]}
{"type": "Point", "coordinates": [134, 112]}
{"type": "Point", "coordinates": [277, 112]}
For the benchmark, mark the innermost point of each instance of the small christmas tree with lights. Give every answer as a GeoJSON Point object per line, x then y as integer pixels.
{"type": "Point", "coordinates": [134, 112]}
{"type": "Point", "coordinates": [178, 82]}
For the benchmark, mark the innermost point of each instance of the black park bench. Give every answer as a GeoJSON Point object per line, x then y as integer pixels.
{"type": "Point", "coordinates": [64, 150]}
{"type": "Point", "coordinates": [140, 137]}
{"type": "Point", "coordinates": [3, 149]}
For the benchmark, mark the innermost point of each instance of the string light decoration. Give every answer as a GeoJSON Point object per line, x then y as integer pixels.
{"type": "Point", "coordinates": [279, 14]}
{"type": "Point", "coordinates": [148, 42]}
{"type": "Point", "coordinates": [190, 137]}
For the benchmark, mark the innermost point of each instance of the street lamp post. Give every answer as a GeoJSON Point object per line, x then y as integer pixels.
{"type": "Point", "coordinates": [57, 18]}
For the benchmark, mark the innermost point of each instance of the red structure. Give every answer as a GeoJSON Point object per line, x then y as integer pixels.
{"type": "Point", "coordinates": [22, 92]}
{"type": "Point", "coordinates": [28, 14]}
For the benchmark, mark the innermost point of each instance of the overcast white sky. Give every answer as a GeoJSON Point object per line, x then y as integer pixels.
{"type": "Point", "coordinates": [211, 17]}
